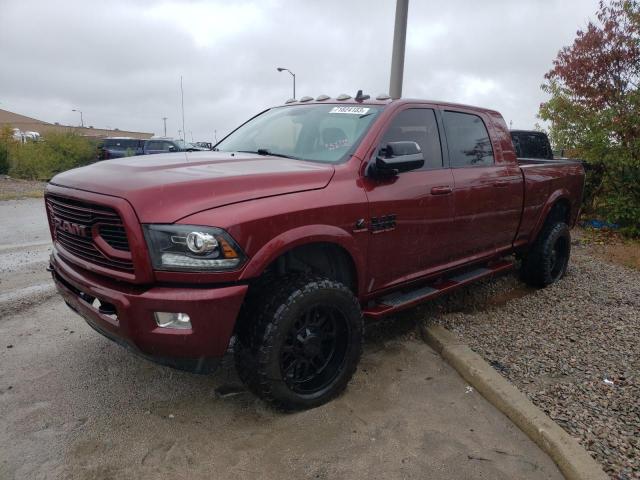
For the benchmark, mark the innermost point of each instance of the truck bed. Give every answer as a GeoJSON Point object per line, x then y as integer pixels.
{"type": "Point", "coordinates": [528, 162]}
{"type": "Point", "coordinates": [543, 179]}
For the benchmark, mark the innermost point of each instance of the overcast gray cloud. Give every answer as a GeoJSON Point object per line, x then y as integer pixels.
{"type": "Point", "coordinates": [120, 61]}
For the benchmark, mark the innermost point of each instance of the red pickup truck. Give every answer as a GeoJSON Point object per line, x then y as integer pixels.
{"type": "Point", "coordinates": [306, 220]}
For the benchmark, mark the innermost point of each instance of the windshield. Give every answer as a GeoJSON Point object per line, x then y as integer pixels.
{"type": "Point", "coordinates": [325, 133]}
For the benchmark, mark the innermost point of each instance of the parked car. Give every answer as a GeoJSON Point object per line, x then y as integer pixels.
{"type": "Point", "coordinates": [309, 219]}
{"type": "Point", "coordinates": [167, 145]}
{"type": "Point", "coordinates": [118, 147]}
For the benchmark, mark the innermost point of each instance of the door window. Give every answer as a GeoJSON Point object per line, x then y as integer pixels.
{"type": "Point", "coordinates": [417, 125]}
{"type": "Point", "coordinates": [468, 140]}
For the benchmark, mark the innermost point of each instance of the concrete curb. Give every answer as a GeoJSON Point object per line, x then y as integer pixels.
{"type": "Point", "coordinates": [574, 462]}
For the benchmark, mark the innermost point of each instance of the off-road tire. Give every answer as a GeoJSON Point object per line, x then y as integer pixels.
{"type": "Point", "coordinates": [547, 261]}
{"type": "Point", "coordinates": [263, 339]}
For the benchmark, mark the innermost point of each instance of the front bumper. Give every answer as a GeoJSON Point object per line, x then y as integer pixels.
{"type": "Point", "coordinates": [213, 313]}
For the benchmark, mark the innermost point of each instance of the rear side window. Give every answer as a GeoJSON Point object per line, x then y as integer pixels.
{"type": "Point", "coordinates": [158, 145]}
{"type": "Point", "coordinates": [468, 140]}
{"type": "Point", "coordinates": [417, 125]}
{"type": "Point", "coordinates": [121, 143]}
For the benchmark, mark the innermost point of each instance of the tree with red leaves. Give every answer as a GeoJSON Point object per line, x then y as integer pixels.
{"type": "Point", "coordinates": [594, 109]}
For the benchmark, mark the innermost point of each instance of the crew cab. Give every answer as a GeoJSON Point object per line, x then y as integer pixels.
{"type": "Point", "coordinates": [306, 222]}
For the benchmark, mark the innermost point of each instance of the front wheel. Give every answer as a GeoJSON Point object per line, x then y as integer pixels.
{"type": "Point", "coordinates": [305, 344]}
{"type": "Point", "coordinates": [548, 259]}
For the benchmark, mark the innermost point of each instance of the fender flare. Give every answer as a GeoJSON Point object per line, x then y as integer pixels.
{"type": "Point", "coordinates": [554, 198]}
{"type": "Point", "coordinates": [301, 236]}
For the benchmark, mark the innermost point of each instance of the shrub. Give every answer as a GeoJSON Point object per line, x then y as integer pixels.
{"type": "Point", "coordinates": [55, 153]}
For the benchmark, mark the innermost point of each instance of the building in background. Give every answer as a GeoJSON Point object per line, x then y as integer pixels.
{"type": "Point", "coordinates": [28, 124]}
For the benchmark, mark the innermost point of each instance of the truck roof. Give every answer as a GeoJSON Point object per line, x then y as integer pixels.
{"type": "Point", "coordinates": [380, 100]}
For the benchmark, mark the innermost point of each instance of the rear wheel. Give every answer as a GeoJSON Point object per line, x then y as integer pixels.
{"type": "Point", "coordinates": [304, 346]}
{"type": "Point", "coordinates": [548, 259]}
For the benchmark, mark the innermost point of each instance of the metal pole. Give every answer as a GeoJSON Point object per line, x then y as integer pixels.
{"type": "Point", "coordinates": [81, 120]}
{"type": "Point", "coordinates": [294, 85]}
{"type": "Point", "coordinates": [182, 96]}
{"type": "Point", "coordinates": [164, 119]}
{"type": "Point", "coordinates": [399, 41]}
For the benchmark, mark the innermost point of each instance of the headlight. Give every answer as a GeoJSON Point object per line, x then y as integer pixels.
{"type": "Point", "coordinates": [191, 248]}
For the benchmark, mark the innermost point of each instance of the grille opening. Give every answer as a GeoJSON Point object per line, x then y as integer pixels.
{"type": "Point", "coordinates": [74, 236]}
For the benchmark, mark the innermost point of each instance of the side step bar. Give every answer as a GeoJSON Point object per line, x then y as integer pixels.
{"type": "Point", "coordinates": [396, 301]}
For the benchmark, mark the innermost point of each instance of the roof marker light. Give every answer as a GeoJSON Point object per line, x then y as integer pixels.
{"type": "Point", "coordinates": [343, 96]}
{"type": "Point", "coordinates": [322, 98]}
{"type": "Point", "coordinates": [383, 96]}
{"type": "Point", "coordinates": [306, 99]}
{"type": "Point", "coordinates": [291, 100]}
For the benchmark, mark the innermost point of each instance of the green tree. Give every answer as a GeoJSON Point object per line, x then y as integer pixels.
{"type": "Point", "coordinates": [594, 109]}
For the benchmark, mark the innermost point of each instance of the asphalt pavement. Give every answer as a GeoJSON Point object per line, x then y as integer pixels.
{"type": "Point", "coordinates": [75, 405]}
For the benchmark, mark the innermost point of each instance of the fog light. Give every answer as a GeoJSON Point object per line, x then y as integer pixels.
{"type": "Point", "coordinates": [172, 320]}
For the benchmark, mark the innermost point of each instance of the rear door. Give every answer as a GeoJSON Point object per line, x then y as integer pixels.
{"type": "Point", "coordinates": [411, 214]}
{"type": "Point", "coordinates": [487, 190]}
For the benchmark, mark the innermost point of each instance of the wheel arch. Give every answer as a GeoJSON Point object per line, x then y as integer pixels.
{"type": "Point", "coordinates": [558, 206]}
{"type": "Point", "coordinates": [331, 243]}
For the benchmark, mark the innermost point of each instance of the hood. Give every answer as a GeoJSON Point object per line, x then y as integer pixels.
{"type": "Point", "coordinates": [167, 187]}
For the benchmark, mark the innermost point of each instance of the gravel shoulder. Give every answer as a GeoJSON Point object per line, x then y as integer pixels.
{"type": "Point", "coordinates": [571, 348]}
{"type": "Point", "coordinates": [12, 188]}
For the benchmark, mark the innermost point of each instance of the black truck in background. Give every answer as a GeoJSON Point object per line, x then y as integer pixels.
{"type": "Point", "coordinates": [531, 144]}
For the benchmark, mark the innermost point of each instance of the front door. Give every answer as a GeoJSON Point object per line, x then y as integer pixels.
{"type": "Point", "coordinates": [411, 214]}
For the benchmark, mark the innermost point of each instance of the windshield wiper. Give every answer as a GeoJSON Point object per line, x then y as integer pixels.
{"type": "Point", "coordinates": [264, 152]}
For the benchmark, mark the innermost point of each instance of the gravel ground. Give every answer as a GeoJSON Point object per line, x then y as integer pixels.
{"type": "Point", "coordinates": [572, 348]}
{"type": "Point", "coordinates": [11, 188]}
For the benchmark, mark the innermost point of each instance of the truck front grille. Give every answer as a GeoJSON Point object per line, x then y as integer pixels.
{"type": "Point", "coordinates": [76, 224]}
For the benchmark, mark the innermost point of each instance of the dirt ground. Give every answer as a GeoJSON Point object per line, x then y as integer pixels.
{"type": "Point", "coordinates": [11, 188]}
{"type": "Point", "coordinates": [610, 246]}
{"type": "Point", "coordinates": [75, 405]}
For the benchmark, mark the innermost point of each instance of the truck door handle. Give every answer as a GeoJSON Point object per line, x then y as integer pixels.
{"type": "Point", "coordinates": [441, 190]}
{"type": "Point", "coordinates": [501, 184]}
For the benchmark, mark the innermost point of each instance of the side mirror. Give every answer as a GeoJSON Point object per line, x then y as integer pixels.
{"type": "Point", "coordinates": [172, 148]}
{"type": "Point", "coordinates": [397, 157]}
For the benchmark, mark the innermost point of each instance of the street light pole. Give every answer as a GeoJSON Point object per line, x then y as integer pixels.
{"type": "Point", "coordinates": [164, 119]}
{"type": "Point", "coordinates": [280, 69]}
{"type": "Point", "coordinates": [399, 41]}
{"type": "Point", "coordinates": [81, 119]}
{"type": "Point", "coordinates": [182, 101]}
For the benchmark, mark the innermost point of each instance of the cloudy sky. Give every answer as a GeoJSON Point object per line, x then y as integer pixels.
{"type": "Point", "coordinates": [120, 61]}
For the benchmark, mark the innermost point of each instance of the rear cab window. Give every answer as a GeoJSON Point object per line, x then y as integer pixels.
{"type": "Point", "coordinates": [468, 140]}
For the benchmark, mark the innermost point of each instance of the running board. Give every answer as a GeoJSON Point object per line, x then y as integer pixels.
{"type": "Point", "coordinates": [396, 301]}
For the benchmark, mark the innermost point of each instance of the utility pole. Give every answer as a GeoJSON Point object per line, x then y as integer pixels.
{"type": "Point", "coordinates": [399, 42]}
{"type": "Point", "coordinates": [182, 97]}
{"type": "Point", "coordinates": [215, 136]}
{"type": "Point", "coordinates": [164, 119]}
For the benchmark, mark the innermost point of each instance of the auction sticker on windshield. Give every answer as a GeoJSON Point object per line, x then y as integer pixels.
{"type": "Point", "coordinates": [352, 110]}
